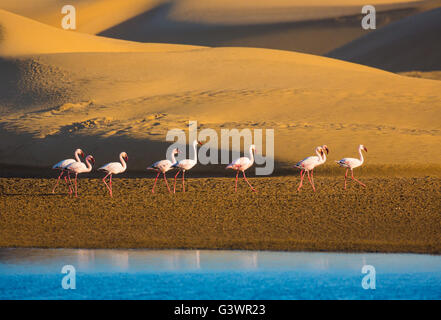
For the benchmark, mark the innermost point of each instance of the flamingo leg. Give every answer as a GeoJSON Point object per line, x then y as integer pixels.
{"type": "Point", "coordinates": [58, 180]}
{"type": "Point", "coordinates": [312, 178]}
{"type": "Point", "coordinates": [237, 175]}
{"type": "Point", "coordinates": [76, 188]}
{"type": "Point", "coordinates": [301, 180]}
{"type": "Point", "coordinates": [153, 189]}
{"type": "Point", "coordinates": [174, 187]}
{"type": "Point", "coordinates": [107, 186]}
{"type": "Point", "coordinates": [111, 189]}
{"type": "Point", "coordinates": [68, 185]}
{"type": "Point", "coordinates": [165, 179]}
{"type": "Point", "coordinates": [346, 176]}
{"type": "Point", "coordinates": [353, 178]}
{"type": "Point", "coordinates": [310, 181]}
{"type": "Point", "coordinates": [243, 172]}
{"type": "Point", "coordinates": [183, 181]}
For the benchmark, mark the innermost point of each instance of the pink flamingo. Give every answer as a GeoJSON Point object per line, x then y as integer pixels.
{"type": "Point", "coordinates": [80, 167]}
{"type": "Point", "coordinates": [62, 167]}
{"type": "Point", "coordinates": [162, 167]}
{"type": "Point", "coordinates": [352, 163]}
{"type": "Point", "coordinates": [114, 168]}
{"type": "Point", "coordinates": [186, 164]}
{"type": "Point", "coordinates": [308, 164]}
{"type": "Point", "coordinates": [242, 164]}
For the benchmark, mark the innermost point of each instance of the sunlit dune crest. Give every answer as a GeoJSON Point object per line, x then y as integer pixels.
{"type": "Point", "coordinates": [23, 36]}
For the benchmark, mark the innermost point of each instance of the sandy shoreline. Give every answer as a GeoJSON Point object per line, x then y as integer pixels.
{"type": "Point", "coordinates": [391, 215]}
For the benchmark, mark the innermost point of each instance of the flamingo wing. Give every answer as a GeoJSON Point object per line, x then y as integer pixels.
{"type": "Point", "coordinates": [308, 163]}
{"type": "Point", "coordinates": [349, 163]}
{"type": "Point", "coordinates": [185, 164]}
{"type": "Point", "coordinates": [112, 167]}
{"type": "Point", "coordinates": [163, 165]}
{"type": "Point", "coordinates": [240, 164]}
{"type": "Point", "coordinates": [76, 167]}
{"type": "Point", "coordinates": [63, 163]}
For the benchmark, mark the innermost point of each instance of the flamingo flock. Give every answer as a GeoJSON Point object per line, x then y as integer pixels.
{"type": "Point", "coordinates": [306, 166]}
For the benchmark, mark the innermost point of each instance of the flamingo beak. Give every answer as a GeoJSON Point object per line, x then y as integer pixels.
{"type": "Point", "coordinates": [126, 158]}
{"type": "Point", "coordinates": [82, 154]}
{"type": "Point", "coordinates": [200, 143]}
{"type": "Point", "coordinates": [327, 150]}
{"type": "Point", "coordinates": [92, 159]}
{"type": "Point", "coordinates": [365, 149]}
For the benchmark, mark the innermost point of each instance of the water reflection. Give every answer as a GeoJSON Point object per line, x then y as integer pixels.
{"type": "Point", "coordinates": [104, 260]}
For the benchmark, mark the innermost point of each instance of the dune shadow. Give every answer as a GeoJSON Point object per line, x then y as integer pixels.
{"type": "Point", "coordinates": [311, 36]}
{"type": "Point", "coordinates": [410, 44]}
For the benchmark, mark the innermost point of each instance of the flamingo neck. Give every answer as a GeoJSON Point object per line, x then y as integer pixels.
{"type": "Point", "coordinates": [361, 155]}
{"type": "Point", "coordinates": [123, 163]}
{"type": "Point", "coordinates": [318, 154]}
{"type": "Point", "coordinates": [77, 156]}
{"type": "Point", "coordinates": [251, 155]}
{"type": "Point", "coordinates": [89, 166]}
{"type": "Point", "coordinates": [173, 158]}
{"type": "Point", "coordinates": [195, 155]}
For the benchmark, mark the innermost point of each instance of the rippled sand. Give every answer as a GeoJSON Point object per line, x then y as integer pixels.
{"type": "Point", "coordinates": [390, 215]}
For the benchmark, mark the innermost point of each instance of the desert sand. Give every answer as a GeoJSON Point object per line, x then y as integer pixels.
{"type": "Point", "coordinates": [121, 81]}
{"type": "Point", "coordinates": [93, 15]}
{"type": "Point", "coordinates": [391, 215]}
{"type": "Point", "coordinates": [108, 100]}
{"type": "Point", "coordinates": [305, 26]}
{"type": "Point", "coordinates": [23, 36]}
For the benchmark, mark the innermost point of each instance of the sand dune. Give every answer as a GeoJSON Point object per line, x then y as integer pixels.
{"type": "Point", "coordinates": [305, 26]}
{"type": "Point", "coordinates": [93, 16]}
{"type": "Point", "coordinates": [129, 101]}
{"type": "Point", "coordinates": [411, 44]}
{"type": "Point", "coordinates": [251, 11]}
{"type": "Point", "coordinates": [22, 36]}
{"type": "Point", "coordinates": [301, 25]}
{"type": "Point", "coordinates": [107, 95]}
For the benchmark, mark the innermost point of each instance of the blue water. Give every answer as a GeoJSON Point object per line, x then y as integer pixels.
{"type": "Point", "coordinates": [205, 274]}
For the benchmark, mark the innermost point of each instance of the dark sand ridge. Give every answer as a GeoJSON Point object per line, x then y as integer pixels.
{"type": "Point", "coordinates": [390, 215]}
{"type": "Point", "coordinates": [315, 30]}
{"type": "Point", "coordinates": [411, 44]}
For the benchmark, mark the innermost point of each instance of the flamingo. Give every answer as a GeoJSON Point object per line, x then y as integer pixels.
{"type": "Point", "coordinates": [241, 164]}
{"type": "Point", "coordinates": [162, 167]}
{"type": "Point", "coordinates": [114, 168]}
{"type": "Point", "coordinates": [186, 164]}
{"type": "Point", "coordinates": [62, 167]}
{"type": "Point", "coordinates": [80, 167]}
{"type": "Point", "coordinates": [325, 148]}
{"type": "Point", "coordinates": [352, 163]}
{"type": "Point", "coordinates": [308, 164]}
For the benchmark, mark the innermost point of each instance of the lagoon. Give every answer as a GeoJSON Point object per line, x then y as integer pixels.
{"type": "Point", "coordinates": [215, 274]}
